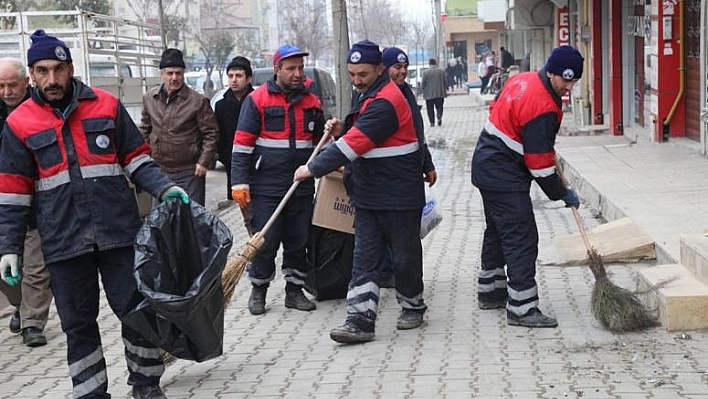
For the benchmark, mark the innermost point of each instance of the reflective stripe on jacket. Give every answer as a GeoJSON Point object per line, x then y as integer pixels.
{"type": "Point", "coordinates": [276, 133]}
{"type": "Point", "coordinates": [386, 171]}
{"type": "Point", "coordinates": [516, 144]}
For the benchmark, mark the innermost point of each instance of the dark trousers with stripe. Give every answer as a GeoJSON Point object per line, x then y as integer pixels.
{"type": "Point", "coordinates": [511, 239]}
{"type": "Point", "coordinates": [292, 229]}
{"type": "Point", "coordinates": [74, 283]}
{"type": "Point", "coordinates": [400, 230]}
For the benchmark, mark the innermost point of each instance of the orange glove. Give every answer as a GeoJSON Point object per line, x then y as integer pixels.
{"type": "Point", "coordinates": [431, 177]}
{"type": "Point", "coordinates": [242, 196]}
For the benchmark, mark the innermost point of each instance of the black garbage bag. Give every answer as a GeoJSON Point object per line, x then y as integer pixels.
{"type": "Point", "coordinates": [180, 252]}
{"type": "Point", "coordinates": [330, 259]}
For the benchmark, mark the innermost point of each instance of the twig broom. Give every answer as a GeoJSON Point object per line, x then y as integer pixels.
{"type": "Point", "coordinates": [235, 266]}
{"type": "Point", "coordinates": [616, 308]}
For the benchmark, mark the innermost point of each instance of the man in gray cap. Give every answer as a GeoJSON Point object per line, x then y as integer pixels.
{"type": "Point", "coordinates": [383, 176]}
{"type": "Point", "coordinates": [180, 126]}
{"type": "Point", "coordinates": [516, 147]}
{"type": "Point", "coordinates": [66, 152]}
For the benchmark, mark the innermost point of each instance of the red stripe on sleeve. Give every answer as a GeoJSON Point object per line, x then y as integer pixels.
{"type": "Point", "coordinates": [16, 184]}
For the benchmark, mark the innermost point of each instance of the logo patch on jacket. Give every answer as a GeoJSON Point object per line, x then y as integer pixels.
{"type": "Point", "coordinates": [103, 141]}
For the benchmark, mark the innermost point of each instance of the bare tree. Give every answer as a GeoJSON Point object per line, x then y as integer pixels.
{"type": "Point", "coordinates": [248, 44]}
{"type": "Point", "coordinates": [380, 21]}
{"type": "Point", "coordinates": [173, 23]}
{"type": "Point", "coordinates": [419, 34]}
{"type": "Point", "coordinates": [217, 47]}
{"type": "Point", "coordinates": [305, 26]}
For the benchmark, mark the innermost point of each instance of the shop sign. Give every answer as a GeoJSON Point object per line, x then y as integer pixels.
{"type": "Point", "coordinates": [563, 23]}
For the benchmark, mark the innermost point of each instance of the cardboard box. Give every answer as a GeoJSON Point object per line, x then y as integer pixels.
{"type": "Point", "coordinates": [333, 209]}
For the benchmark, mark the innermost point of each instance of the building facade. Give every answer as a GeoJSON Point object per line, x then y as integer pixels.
{"type": "Point", "coordinates": [645, 60]}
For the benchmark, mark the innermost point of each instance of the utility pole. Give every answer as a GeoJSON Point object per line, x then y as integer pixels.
{"type": "Point", "coordinates": [340, 33]}
{"type": "Point", "coordinates": [439, 38]}
{"type": "Point", "coordinates": [163, 36]}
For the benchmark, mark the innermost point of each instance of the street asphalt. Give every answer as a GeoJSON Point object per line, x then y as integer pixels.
{"type": "Point", "coordinates": [460, 351]}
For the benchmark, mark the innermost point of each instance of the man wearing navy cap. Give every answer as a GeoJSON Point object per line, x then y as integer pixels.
{"type": "Point", "coordinates": [514, 148]}
{"type": "Point", "coordinates": [384, 179]}
{"type": "Point", "coordinates": [396, 62]}
{"type": "Point", "coordinates": [66, 152]}
{"type": "Point", "coordinates": [279, 126]}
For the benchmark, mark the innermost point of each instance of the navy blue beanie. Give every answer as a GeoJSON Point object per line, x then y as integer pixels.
{"type": "Point", "coordinates": [394, 55]}
{"type": "Point", "coordinates": [364, 52]}
{"type": "Point", "coordinates": [567, 62]}
{"type": "Point", "coordinates": [46, 47]}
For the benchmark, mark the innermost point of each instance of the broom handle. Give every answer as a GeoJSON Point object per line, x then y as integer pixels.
{"type": "Point", "coordinates": [292, 188]}
{"type": "Point", "coordinates": [576, 214]}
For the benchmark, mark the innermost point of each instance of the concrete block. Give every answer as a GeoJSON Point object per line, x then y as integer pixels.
{"type": "Point", "coordinates": [694, 255]}
{"type": "Point", "coordinates": [681, 300]}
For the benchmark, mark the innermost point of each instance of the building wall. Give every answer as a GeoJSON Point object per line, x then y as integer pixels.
{"type": "Point", "coordinates": [471, 30]}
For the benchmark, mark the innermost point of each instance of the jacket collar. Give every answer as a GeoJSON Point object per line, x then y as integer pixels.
{"type": "Point", "coordinates": [81, 92]}
{"type": "Point", "coordinates": [230, 96]}
{"type": "Point", "coordinates": [379, 83]}
{"type": "Point", "coordinates": [547, 84]}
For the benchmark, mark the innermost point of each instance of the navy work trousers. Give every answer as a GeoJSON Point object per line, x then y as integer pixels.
{"type": "Point", "coordinates": [511, 239]}
{"type": "Point", "coordinates": [291, 228]}
{"type": "Point", "coordinates": [74, 283]}
{"type": "Point", "coordinates": [375, 229]}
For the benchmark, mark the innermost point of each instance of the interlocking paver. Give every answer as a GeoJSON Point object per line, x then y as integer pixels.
{"type": "Point", "coordinates": [459, 352]}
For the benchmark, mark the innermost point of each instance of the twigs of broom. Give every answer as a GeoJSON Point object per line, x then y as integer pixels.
{"type": "Point", "coordinates": [237, 265]}
{"type": "Point", "coordinates": [616, 308]}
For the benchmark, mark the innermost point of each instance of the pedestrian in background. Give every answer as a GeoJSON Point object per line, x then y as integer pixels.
{"type": "Point", "coordinates": [482, 73]}
{"type": "Point", "coordinates": [434, 92]}
{"type": "Point", "coordinates": [396, 62]}
{"type": "Point", "coordinates": [515, 147]}
{"type": "Point", "coordinates": [227, 111]}
{"type": "Point", "coordinates": [279, 126]}
{"type": "Point", "coordinates": [180, 127]}
{"type": "Point", "coordinates": [507, 59]}
{"type": "Point", "coordinates": [32, 297]}
{"type": "Point", "coordinates": [384, 179]}
{"type": "Point", "coordinates": [525, 65]}
{"type": "Point", "coordinates": [67, 151]}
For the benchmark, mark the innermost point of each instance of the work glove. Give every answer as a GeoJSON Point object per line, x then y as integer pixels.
{"type": "Point", "coordinates": [241, 194]}
{"type": "Point", "coordinates": [175, 192]}
{"type": "Point", "coordinates": [571, 199]}
{"type": "Point", "coordinates": [9, 269]}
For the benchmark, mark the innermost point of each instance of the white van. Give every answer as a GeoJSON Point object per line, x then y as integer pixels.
{"type": "Point", "coordinates": [195, 80]}
{"type": "Point", "coordinates": [415, 76]}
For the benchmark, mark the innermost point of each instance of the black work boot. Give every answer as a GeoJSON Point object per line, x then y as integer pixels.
{"type": "Point", "coordinates": [494, 304]}
{"type": "Point", "coordinates": [350, 333]}
{"type": "Point", "coordinates": [32, 337]}
{"type": "Point", "coordinates": [148, 392]}
{"type": "Point", "coordinates": [533, 318]}
{"type": "Point", "coordinates": [296, 299]}
{"type": "Point", "coordinates": [409, 319]}
{"type": "Point", "coordinates": [15, 326]}
{"type": "Point", "coordinates": [256, 303]}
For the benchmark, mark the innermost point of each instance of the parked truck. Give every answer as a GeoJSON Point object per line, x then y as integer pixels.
{"type": "Point", "coordinates": [114, 54]}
